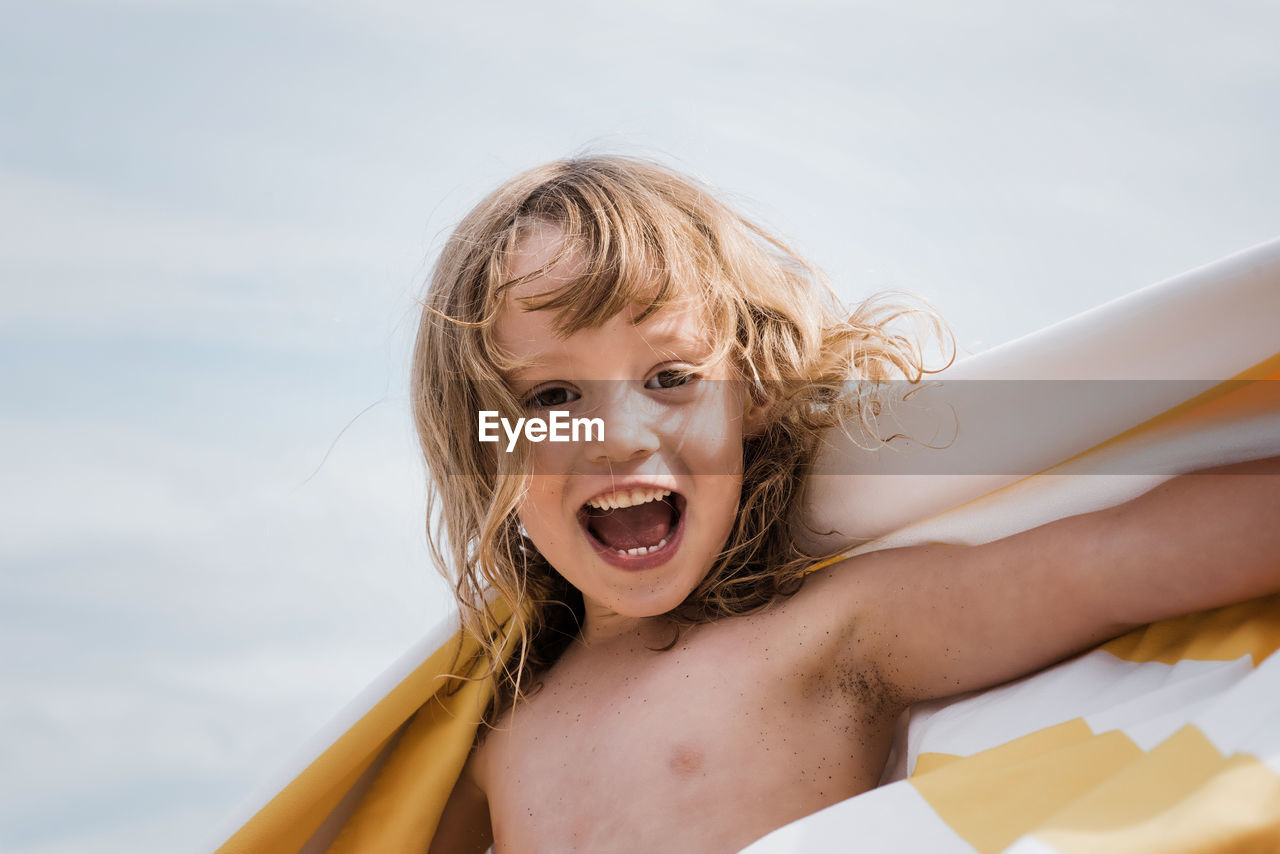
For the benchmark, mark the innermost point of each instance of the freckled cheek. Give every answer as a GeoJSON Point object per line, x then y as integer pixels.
{"type": "Point", "coordinates": [542, 520]}
{"type": "Point", "coordinates": [703, 423]}
{"type": "Point", "coordinates": [552, 458]}
{"type": "Point", "coordinates": [714, 437]}
{"type": "Point", "coordinates": [724, 493]}
{"type": "Point", "coordinates": [546, 511]}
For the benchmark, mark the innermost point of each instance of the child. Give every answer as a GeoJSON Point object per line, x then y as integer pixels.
{"type": "Point", "coordinates": [680, 679]}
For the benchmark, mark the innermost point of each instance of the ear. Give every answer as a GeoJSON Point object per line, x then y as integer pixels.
{"type": "Point", "coordinates": [758, 410]}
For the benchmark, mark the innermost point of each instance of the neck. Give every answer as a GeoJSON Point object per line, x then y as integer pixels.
{"type": "Point", "coordinates": [603, 627]}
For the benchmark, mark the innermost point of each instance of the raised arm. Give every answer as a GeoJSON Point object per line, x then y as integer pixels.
{"type": "Point", "coordinates": [938, 620]}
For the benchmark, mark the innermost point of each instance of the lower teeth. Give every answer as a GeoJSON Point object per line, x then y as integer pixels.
{"type": "Point", "coordinates": [643, 550]}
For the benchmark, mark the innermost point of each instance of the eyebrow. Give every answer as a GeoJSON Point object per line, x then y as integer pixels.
{"type": "Point", "coordinates": [658, 343]}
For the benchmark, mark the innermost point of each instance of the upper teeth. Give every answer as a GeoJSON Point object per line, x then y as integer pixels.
{"type": "Point", "coordinates": [628, 498]}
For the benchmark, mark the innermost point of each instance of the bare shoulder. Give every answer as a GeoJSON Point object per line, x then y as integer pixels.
{"type": "Point", "coordinates": [839, 600]}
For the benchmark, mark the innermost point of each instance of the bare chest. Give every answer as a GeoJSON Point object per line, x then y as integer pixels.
{"type": "Point", "coordinates": [702, 748]}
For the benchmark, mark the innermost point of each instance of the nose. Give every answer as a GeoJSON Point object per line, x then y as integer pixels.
{"type": "Point", "coordinates": [630, 425]}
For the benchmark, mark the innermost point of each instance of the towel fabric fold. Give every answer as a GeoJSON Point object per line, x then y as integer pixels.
{"type": "Point", "coordinates": [1163, 740]}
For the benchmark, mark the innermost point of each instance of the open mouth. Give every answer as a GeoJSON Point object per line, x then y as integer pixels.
{"type": "Point", "coordinates": [644, 522]}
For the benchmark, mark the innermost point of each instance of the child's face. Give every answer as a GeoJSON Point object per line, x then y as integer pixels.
{"type": "Point", "coordinates": [659, 433]}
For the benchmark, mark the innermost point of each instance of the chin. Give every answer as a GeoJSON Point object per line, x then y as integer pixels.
{"type": "Point", "coordinates": [660, 603]}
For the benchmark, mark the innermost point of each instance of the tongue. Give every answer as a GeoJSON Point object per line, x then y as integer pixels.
{"type": "Point", "coordinates": [632, 527]}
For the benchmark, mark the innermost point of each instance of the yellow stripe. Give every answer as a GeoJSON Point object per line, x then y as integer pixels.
{"type": "Point", "coordinates": [1224, 634]}
{"type": "Point", "coordinates": [993, 797]}
{"type": "Point", "coordinates": [823, 564]}
{"type": "Point", "coordinates": [406, 800]}
{"type": "Point", "coordinates": [1182, 797]}
{"type": "Point", "coordinates": [845, 555]}
{"type": "Point", "coordinates": [1219, 397]}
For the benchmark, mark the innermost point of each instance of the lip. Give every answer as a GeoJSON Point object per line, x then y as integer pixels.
{"type": "Point", "coordinates": [638, 563]}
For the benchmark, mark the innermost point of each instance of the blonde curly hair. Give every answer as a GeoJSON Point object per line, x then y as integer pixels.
{"type": "Point", "coordinates": [648, 236]}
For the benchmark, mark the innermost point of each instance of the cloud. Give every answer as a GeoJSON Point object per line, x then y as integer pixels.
{"type": "Point", "coordinates": [180, 619]}
{"type": "Point", "coordinates": [217, 218]}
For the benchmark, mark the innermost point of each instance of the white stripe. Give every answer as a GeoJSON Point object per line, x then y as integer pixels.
{"type": "Point", "coordinates": [1069, 690]}
{"type": "Point", "coordinates": [893, 818]}
{"type": "Point", "coordinates": [1190, 687]}
{"type": "Point", "coordinates": [1108, 692]}
{"type": "Point", "coordinates": [1246, 719]}
{"type": "Point", "coordinates": [1207, 324]}
{"type": "Point", "coordinates": [1030, 845]}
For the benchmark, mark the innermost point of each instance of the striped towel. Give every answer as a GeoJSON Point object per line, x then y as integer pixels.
{"type": "Point", "coordinates": [1166, 739]}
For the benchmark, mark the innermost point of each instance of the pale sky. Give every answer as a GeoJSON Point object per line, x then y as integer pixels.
{"type": "Point", "coordinates": [216, 218]}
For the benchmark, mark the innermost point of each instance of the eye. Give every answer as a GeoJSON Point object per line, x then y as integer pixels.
{"type": "Point", "coordinates": [549, 397]}
{"type": "Point", "coordinates": [670, 378]}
